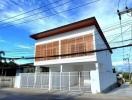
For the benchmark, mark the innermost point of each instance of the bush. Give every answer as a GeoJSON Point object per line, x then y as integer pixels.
{"type": "Point", "coordinates": [126, 76]}
{"type": "Point", "coordinates": [131, 82]}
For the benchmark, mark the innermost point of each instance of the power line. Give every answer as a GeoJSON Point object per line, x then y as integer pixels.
{"type": "Point", "coordinates": [131, 42]}
{"type": "Point", "coordinates": [49, 16]}
{"type": "Point", "coordinates": [92, 51]}
{"type": "Point", "coordinates": [29, 52]}
{"type": "Point", "coordinates": [116, 27]}
{"type": "Point", "coordinates": [122, 38]}
{"type": "Point", "coordinates": [51, 3]}
{"type": "Point", "coordinates": [85, 4]}
{"type": "Point", "coordinates": [29, 11]}
{"type": "Point", "coordinates": [119, 34]}
{"type": "Point", "coordinates": [43, 11]}
{"type": "Point", "coordinates": [121, 41]}
{"type": "Point", "coordinates": [126, 3]}
{"type": "Point", "coordinates": [120, 13]}
{"type": "Point", "coordinates": [126, 11]}
{"type": "Point", "coordinates": [34, 14]}
{"type": "Point", "coordinates": [118, 4]}
{"type": "Point", "coordinates": [17, 4]}
{"type": "Point", "coordinates": [125, 22]}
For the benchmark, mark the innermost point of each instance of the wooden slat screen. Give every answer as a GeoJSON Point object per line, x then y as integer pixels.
{"type": "Point", "coordinates": [75, 45]}
{"type": "Point", "coordinates": [68, 46]}
{"type": "Point", "coordinates": [44, 50]}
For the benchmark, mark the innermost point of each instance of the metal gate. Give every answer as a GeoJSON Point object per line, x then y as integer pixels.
{"type": "Point", "coordinates": [34, 80]}
{"type": "Point", "coordinates": [68, 81]}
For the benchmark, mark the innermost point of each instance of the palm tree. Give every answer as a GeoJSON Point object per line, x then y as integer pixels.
{"type": "Point", "coordinates": [1, 53]}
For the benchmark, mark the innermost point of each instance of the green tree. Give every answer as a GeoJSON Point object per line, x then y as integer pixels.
{"type": "Point", "coordinates": [1, 53]}
{"type": "Point", "coordinates": [113, 68]}
{"type": "Point", "coordinates": [12, 64]}
{"type": "Point", "coordinates": [1, 58]}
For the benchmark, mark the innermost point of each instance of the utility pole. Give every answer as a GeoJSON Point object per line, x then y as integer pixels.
{"type": "Point", "coordinates": [128, 62]}
{"type": "Point", "coordinates": [120, 13]}
{"type": "Point", "coordinates": [129, 69]}
{"type": "Point", "coordinates": [127, 10]}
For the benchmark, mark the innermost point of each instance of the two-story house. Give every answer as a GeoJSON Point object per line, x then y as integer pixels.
{"type": "Point", "coordinates": [75, 48]}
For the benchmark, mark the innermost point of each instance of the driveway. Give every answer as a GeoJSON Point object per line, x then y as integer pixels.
{"type": "Point", "coordinates": [124, 90]}
{"type": "Point", "coordinates": [122, 93]}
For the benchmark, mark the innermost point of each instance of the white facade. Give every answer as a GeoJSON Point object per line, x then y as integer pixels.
{"type": "Point", "coordinates": [67, 35]}
{"type": "Point", "coordinates": [101, 76]}
{"type": "Point", "coordinates": [98, 64]}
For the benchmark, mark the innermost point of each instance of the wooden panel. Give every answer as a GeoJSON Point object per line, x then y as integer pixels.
{"type": "Point", "coordinates": [77, 45]}
{"type": "Point", "coordinates": [71, 46]}
{"type": "Point", "coordinates": [46, 50]}
{"type": "Point", "coordinates": [64, 47]}
{"type": "Point", "coordinates": [80, 45]}
{"type": "Point", "coordinates": [68, 46]}
{"type": "Point", "coordinates": [79, 39]}
{"type": "Point", "coordinates": [55, 49]}
{"type": "Point", "coordinates": [48, 47]}
{"type": "Point", "coordinates": [37, 53]}
{"type": "Point", "coordinates": [89, 42]}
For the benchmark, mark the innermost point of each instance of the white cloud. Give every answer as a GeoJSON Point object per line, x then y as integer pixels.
{"type": "Point", "coordinates": [104, 11]}
{"type": "Point", "coordinates": [2, 41]}
{"type": "Point", "coordinates": [22, 19]}
{"type": "Point", "coordinates": [120, 63]}
{"type": "Point", "coordinates": [1, 6]}
{"type": "Point", "coordinates": [36, 23]}
{"type": "Point", "coordinates": [25, 46]}
{"type": "Point", "coordinates": [24, 61]}
{"type": "Point", "coordinates": [61, 6]}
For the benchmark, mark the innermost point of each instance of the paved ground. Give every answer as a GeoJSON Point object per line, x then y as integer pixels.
{"type": "Point", "coordinates": [122, 93]}
{"type": "Point", "coordinates": [124, 90]}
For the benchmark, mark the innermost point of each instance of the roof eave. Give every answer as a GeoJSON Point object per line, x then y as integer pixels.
{"type": "Point", "coordinates": [76, 25]}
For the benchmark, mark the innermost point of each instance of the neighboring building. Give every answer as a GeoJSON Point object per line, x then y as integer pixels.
{"type": "Point", "coordinates": [27, 68]}
{"type": "Point", "coordinates": [66, 49]}
{"type": "Point", "coordinates": [30, 68]}
{"type": "Point", "coordinates": [8, 68]}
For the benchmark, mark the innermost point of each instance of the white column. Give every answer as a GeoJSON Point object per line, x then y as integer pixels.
{"type": "Point", "coordinates": [17, 81]}
{"type": "Point", "coordinates": [61, 69]}
{"type": "Point", "coordinates": [18, 78]}
{"type": "Point", "coordinates": [95, 80]}
{"type": "Point", "coordinates": [79, 81]}
{"type": "Point", "coordinates": [27, 80]}
{"type": "Point", "coordinates": [50, 79]}
{"type": "Point", "coordinates": [69, 82]}
{"type": "Point", "coordinates": [37, 69]}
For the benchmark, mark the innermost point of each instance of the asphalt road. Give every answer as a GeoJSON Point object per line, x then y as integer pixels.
{"type": "Point", "coordinates": [32, 94]}
{"type": "Point", "coordinates": [40, 94]}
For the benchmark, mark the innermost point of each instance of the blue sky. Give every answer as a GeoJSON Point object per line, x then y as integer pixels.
{"type": "Point", "coordinates": [14, 33]}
